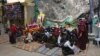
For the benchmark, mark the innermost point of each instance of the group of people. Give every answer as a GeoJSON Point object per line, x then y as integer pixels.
{"type": "Point", "coordinates": [75, 40]}
{"type": "Point", "coordinates": [70, 39]}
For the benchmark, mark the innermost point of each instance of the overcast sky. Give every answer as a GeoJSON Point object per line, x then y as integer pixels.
{"type": "Point", "coordinates": [12, 1]}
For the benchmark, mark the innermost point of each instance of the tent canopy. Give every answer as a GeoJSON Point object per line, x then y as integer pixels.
{"type": "Point", "coordinates": [69, 20]}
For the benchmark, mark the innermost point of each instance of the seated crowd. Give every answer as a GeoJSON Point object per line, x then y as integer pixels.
{"type": "Point", "coordinates": [70, 39]}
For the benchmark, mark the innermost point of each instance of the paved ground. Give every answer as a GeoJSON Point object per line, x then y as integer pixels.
{"type": "Point", "coordinates": [7, 49]}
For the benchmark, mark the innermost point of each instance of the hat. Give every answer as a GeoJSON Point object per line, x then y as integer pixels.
{"type": "Point", "coordinates": [82, 18]}
{"type": "Point", "coordinates": [95, 16]}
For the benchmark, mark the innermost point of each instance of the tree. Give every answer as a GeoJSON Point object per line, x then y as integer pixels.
{"type": "Point", "coordinates": [36, 12]}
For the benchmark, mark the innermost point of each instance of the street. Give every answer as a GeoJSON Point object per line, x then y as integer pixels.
{"type": "Point", "coordinates": [6, 49]}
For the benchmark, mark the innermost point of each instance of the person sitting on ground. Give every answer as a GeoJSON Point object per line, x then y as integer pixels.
{"type": "Point", "coordinates": [68, 47]}
{"type": "Point", "coordinates": [47, 35]}
{"type": "Point", "coordinates": [62, 39]}
{"type": "Point", "coordinates": [29, 38]}
{"type": "Point", "coordinates": [56, 33]}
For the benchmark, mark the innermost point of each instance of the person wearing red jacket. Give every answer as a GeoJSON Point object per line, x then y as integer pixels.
{"type": "Point", "coordinates": [12, 36]}
{"type": "Point", "coordinates": [56, 33]}
{"type": "Point", "coordinates": [82, 38]}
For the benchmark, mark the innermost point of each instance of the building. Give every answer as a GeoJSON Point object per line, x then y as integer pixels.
{"type": "Point", "coordinates": [28, 9]}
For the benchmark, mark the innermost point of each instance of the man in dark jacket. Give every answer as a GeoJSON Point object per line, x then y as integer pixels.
{"type": "Point", "coordinates": [62, 39]}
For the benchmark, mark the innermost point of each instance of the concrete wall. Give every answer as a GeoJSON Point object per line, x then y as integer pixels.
{"type": "Point", "coordinates": [28, 0]}
{"type": "Point", "coordinates": [29, 13]}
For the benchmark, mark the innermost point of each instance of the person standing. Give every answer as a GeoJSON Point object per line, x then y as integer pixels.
{"type": "Point", "coordinates": [12, 35]}
{"type": "Point", "coordinates": [82, 34]}
{"type": "Point", "coordinates": [94, 23]}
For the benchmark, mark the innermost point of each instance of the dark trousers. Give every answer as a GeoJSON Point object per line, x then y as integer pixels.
{"type": "Point", "coordinates": [67, 51]}
{"type": "Point", "coordinates": [12, 38]}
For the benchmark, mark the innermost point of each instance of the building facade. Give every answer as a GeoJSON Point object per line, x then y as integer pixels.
{"type": "Point", "coordinates": [28, 9]}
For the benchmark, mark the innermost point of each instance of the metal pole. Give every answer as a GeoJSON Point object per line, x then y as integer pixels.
{"type": "Point", "coordinates": [98, 36]}
{"type": "Point", "coordinates": [91, 14]}
{"type": "Point", "coordinates": [3, 12]}
{"type": "Point", "coordinates": [2, 9]}
{"type": "Point", "coordinates": [3, 3]}
{"type": "Point", "coordinates": [99, 10]}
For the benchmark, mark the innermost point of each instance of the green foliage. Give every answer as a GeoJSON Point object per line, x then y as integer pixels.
{"type": "Point", "coordinates": [47, 23]}
{"type": "Point", "coordinates": [36, 11]}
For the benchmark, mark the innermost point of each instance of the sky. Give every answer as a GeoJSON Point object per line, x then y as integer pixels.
{"type": "Point", "coordinates": [12, 1]}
